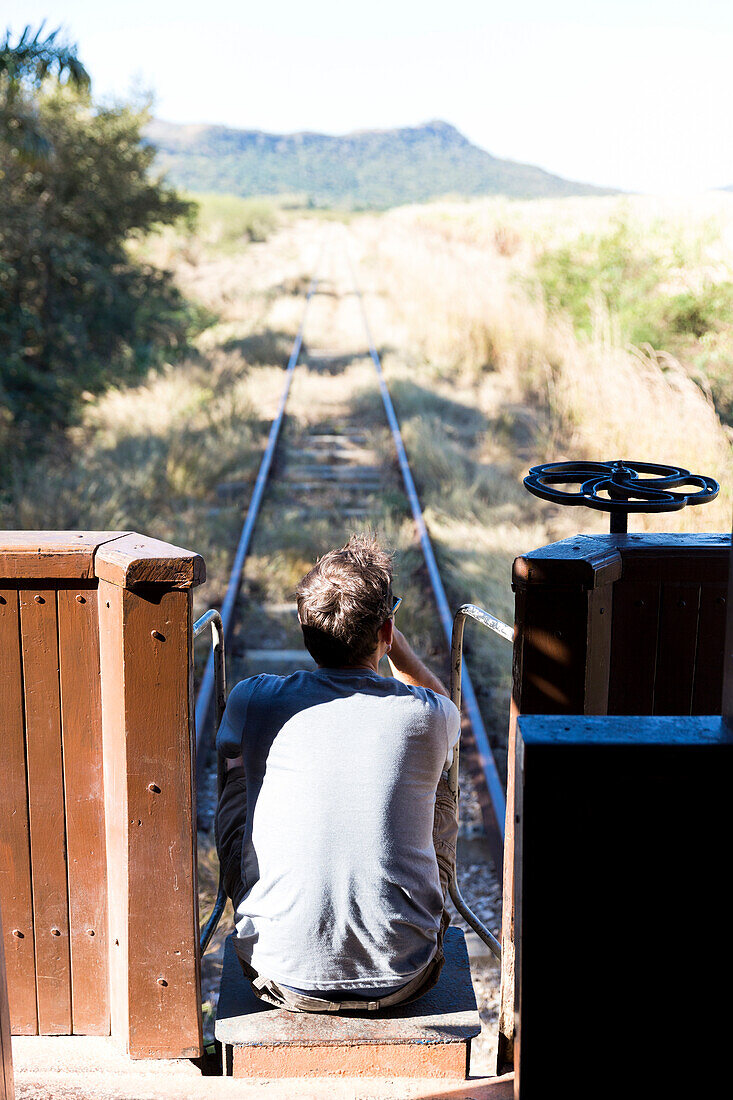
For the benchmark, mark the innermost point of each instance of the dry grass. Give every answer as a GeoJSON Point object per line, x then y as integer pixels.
{"type": "Point", "coordinates": [456, 305]}
{"type": "Point", "coordinates": [486, 384]}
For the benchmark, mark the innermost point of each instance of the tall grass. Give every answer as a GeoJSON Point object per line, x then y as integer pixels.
{"type": "Point", "coordinates": [488, 380]}
{"type": "Point", "coordinates": [463, 310]}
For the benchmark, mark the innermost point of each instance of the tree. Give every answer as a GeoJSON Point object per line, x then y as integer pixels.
{"type": "Point", "coordinates": [25, 66]}
{"type": "Point", "coordinates": [75, 312]}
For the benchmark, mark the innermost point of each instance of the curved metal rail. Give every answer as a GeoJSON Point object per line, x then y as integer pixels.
{"type": "Point", "coordinates": [494, 784]}
{"type": "Point", "coordinates": [218, 659]}
{"type": "Point", "coordinates": [469, 611]}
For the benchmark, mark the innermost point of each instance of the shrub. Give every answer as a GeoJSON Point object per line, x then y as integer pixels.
{"type": "Point", "coordinates": [75, 312]}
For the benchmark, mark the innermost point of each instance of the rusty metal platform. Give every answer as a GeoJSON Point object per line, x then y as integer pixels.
{"type": "Point", "coordinates": [430, 1037]}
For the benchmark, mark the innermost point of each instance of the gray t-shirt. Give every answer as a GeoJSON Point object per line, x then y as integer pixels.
{"type": "Point", "coordinates": [341, 886]}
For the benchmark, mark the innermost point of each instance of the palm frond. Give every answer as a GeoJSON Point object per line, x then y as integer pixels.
{"type": "Point", "coordinates": [34, 56]}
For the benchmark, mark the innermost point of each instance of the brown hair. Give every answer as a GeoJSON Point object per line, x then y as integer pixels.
{"type": "Point", "coordinates": [344, 600]}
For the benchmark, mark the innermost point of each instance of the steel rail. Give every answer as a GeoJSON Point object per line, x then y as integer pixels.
{"type": "Point", "coordinates": [469, 611]}
{"type": "Point", "coordinates": [213, 617]}
{"type": "Point", "coordinates": [206, 687]}
{"type": "Point", "coordinates": [494, 784]}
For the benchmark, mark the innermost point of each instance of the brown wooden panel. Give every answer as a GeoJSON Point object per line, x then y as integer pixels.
{"type": "Point", "coordinates": [15, 864]}
{"type": "Point", "coordinates": [676, 559]}
{"type": "Point", "coordinates": [115, 799]}
{"type": "Point", "coordinates": [597, 667]}
{"type": "Point", "coordinates": [560, 665]}
{"type": "Point", "coordinates": [81, 720]}
{"type": "Point", "coordinates": [7, 1090]}
{"type": "Point", "coordinates": [707, 695]}
{"type": "Point", "coordinates": [147, 690]}
{"type": "Point", "coordinates": [550, 664]}
{"type": "Point", "coordinates": [164, 979]}
{"type": "Point", "coordinates": [677, 646]}
{"type": "Point", "coordinates": [633, 647]}
{"type": "Point", "coordinates": [39, 626]}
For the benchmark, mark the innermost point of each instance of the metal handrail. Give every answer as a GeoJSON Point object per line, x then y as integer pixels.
{"type": "Point", "coordinates": [218, 659]}
{"type": "Point", "coordinates": [469, 611]}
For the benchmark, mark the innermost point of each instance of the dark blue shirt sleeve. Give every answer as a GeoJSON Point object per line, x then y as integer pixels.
{"type": "Point", "coordinates": [231, 730]}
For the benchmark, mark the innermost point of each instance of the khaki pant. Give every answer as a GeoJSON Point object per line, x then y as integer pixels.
{"type": "Point", "coordinates": [229, 830]}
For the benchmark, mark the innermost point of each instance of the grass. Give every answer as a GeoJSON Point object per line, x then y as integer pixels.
{"type": "Point", "coordinates": [655, 285]}
{"type": "Point", "coordinates": [227, 222]}
{"type": "Point", "coordinates": [489, 378]}
{"type": "Point", "coordinates": [458, 309]}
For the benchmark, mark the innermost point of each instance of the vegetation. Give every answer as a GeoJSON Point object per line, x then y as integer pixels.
{"type": "Point", "coordinates": [649, 289]}
{"type": "Point", "coordinates": [149, 453]}
{"type": "Point", "coordinates": [75, 312]}
{"type": "Point", "coordinates": [228, 221]}
{"type": "Point", "coordinates": [25, 65]}
{"type": "Point", "coordinates": [370, 169]}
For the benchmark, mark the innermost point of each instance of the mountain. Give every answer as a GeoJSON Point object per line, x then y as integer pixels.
{"type": "Point", "coordinates": [366, 169]}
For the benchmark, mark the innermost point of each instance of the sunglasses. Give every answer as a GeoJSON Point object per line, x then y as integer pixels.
{"type": "Point", "coordinates": [398, 601]}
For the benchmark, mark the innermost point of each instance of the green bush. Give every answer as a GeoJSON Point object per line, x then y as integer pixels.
{"type": "Point", "coordinates": [604, 276]}
{"type": "Point", "coordinates": [629, 284]}
{"type": "Point", "coordinates": [75, 312]}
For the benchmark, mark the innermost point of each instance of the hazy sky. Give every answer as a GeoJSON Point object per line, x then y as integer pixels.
{"type": "Point", "coordinates": [631, 93]}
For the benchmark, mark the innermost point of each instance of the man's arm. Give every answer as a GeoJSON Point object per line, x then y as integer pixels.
{"type": "Point", "coordinates": [406, 666]}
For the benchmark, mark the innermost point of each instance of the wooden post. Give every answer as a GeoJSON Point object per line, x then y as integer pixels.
{"type": "Point", "coordinates": [146, 638]}
{"type": "Point", "coordinates": [563, 617]}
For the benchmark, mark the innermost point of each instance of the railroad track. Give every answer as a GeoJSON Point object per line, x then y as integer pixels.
{"type": "Point", "coordinates": [331, 471]}
{"type": "Point", "coordinates": [335, 464]}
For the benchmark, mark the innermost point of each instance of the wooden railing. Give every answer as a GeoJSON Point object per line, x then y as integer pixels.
{"type": "Point", "coordinates": [97, 801]}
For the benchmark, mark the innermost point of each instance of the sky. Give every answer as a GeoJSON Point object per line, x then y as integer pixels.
{"type": "Point", "coordinates": [634, 94]}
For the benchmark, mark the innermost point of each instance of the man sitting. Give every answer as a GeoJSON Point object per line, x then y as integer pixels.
{"type": "Point", "coordinates": [336, 829]}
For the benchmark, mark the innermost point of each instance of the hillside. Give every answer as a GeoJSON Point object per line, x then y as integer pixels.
{"type": "Point", "coordinates": [367, 169]}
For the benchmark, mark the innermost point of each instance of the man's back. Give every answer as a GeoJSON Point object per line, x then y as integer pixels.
{"type": "Point", "coordinates": [341, 887]}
